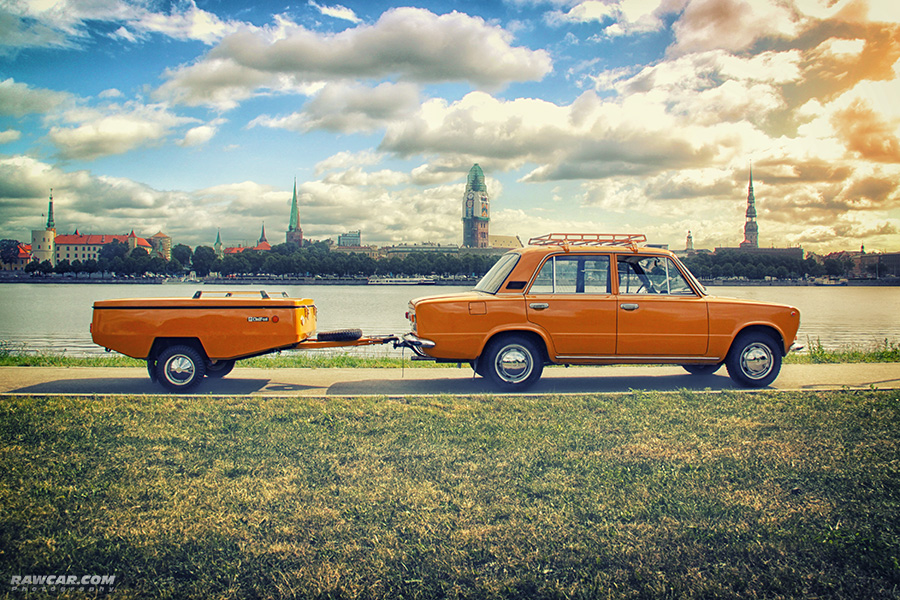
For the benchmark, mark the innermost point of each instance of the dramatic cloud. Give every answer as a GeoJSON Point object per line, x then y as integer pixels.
{"type": "Point", "coordinates": [411, 44]}
{"type": "Point", "coordinates": [733, 25]}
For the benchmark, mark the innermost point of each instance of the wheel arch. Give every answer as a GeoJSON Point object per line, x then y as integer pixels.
{"type": "Point", "coordinates": [161, 343]}
{"type": "Point", "coordinates": [768, 330]}
{"type": "Point", "coordinates": [531, 334]}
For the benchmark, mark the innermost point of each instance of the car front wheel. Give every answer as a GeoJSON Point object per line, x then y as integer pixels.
{"type": "Point", "coordinates": [754, 360]}
{"type": "Point", "coordinates": [179, 368]}
{"type": "Point", "coordinates": [512, 363]}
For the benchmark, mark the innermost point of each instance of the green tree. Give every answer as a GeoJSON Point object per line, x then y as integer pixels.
{"type": "Point", "coordinates": [9, 251]}
{"type": "Point", "coordinates": [204, 260]}
{"type": "Point", "coordinates": [182, 254]}
{"type": "Point", "coordinates": [114, 249]}
{"type": "Point", "coordinates": [62, 266]}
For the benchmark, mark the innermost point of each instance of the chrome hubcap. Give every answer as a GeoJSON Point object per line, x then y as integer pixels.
{"type": "Point", "coordinates": [180, 369]}
{"type": "Point", "coordinates": [756, 361]}
{"type": "Point", "coordinates": [514, 364]}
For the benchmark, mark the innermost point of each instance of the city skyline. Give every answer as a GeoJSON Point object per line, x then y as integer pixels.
{"type": "Point", "coordinates": [615, 116]}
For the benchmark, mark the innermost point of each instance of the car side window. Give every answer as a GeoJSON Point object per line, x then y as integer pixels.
{"type": "Point", "coordinates": [573, 275]}
{"type": "Point", "coordinates": [651, 275]}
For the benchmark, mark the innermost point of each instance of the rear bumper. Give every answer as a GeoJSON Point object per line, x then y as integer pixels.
{"type": "Point", "coordinates": [414, 343]}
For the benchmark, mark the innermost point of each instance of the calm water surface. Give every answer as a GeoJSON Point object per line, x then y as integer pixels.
{"type": "Point", "coordinates": [56, 317]}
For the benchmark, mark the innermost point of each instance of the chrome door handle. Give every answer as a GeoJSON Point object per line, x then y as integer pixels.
{"type": "Point", "coordinates": [539, 305]}
{"type": "Point", "coordinates": [629, 306]}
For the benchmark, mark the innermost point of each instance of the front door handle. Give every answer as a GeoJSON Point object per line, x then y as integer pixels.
{"type": "Point", "coordinates": [539, 305]}
{"type": "Point", "coordinates": [629, 306]}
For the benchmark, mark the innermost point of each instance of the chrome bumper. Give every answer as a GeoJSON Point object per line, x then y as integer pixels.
{"type": "Point", "coordinates": [414, 343]}
{"type": "Point", "coordinates": [795, 347]}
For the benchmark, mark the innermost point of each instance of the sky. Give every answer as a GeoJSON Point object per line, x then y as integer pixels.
{"type": "Point", "coordinates": [610, 116]}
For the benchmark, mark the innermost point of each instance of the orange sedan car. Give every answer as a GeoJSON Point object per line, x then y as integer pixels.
{"type": "Point", "coordinates": [598, 299]}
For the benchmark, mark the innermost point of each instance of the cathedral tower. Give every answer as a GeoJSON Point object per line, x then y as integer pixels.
{"type": "Point", "coordinates": [751, 229]}
{"type": "Point", "coordinates": [476, 210]}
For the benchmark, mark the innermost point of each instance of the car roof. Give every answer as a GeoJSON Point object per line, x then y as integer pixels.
{"type": "Point", "coordinates": [591, 243]}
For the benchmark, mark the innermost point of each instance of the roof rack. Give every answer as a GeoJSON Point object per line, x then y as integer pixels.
{"type": "Point", "coordinates": [589, 239]}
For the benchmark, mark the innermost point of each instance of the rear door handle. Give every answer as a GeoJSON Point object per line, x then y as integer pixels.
{"type": "Point", "coordinates": [539, 305]}
{"type": "Point", "coordinates": [629, 306]}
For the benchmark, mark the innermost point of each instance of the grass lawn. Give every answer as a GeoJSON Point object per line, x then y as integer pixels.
{"type": "Point", "coordinates": [641, 495]}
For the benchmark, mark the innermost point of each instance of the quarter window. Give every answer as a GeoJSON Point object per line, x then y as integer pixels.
{"type": "Point", "coordinates": [573, 275]}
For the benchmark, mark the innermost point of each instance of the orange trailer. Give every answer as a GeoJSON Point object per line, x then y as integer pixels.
{"type": "Point", "coordinates": [185, 339]}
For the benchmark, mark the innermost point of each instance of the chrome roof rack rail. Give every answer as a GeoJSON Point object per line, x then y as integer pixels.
{"type": "Point", "coordinates": [589, 239]}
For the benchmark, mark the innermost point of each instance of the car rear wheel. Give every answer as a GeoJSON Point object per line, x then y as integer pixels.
{"type": "Point", "coordinates": [179, 368]}
{"type": "Point", "coordinates": [754, 360]}
{"type": "Point", "coordinates": [512, 363]}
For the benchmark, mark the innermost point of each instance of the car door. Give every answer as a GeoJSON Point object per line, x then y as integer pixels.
{"type": "Point", "coordinates": [658, 312]}
{"type": "Point", "coordinates": [571, 299]}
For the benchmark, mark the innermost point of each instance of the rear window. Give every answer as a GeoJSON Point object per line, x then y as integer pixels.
{"type": "Point", "coordinates": [494, 278]}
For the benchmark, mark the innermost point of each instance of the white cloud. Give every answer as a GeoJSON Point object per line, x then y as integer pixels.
{"type": "Point", "coordinates": [20, 99]}
{"type": "Point", "coordinates": [346, 160]}
{"type": "Point", "coordinates": [10, 135]}
{"type": "Point", "coordinates": [200, 135]}
{"type": "Point", "coordinates": [624, 17]}
{"type": "Point", "coordinates": [337, 12]}
{"type": "Point", "coordinates": [115, 130]}
{"type": "Point", "coordinates": [349, 108]}
{"type": "Point", "coordinates": [733, 25]}
{"type": "Point", "coordinates": [64, 23]}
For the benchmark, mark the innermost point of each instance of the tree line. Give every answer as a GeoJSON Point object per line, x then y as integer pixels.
{"type": "Point", "coordinates": [283, 259]}
{"type": "Point", "coordinates": [314, 258]}
{"type": "Point", "coordinates": [734, 263]}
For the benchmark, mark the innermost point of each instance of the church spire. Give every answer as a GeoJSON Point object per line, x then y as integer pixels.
{"type": "Point", "coordinates": [751, 229]}
{"type": "Point", "coordinates": [294, 234]}
{"type": "Point", "coordinates": [262, 236]}
{"type": "Point", "coordinates": [51, 224]}
{"type": "Point", "coordinates": [294, 223]}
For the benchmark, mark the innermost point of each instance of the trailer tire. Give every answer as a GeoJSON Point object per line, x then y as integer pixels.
{"type": "Point", "coordinates": [219, 369]}
{"type": "Point", "coordinates": [179, 368]}
{"type": "Point", "coordinates": [340, 335]}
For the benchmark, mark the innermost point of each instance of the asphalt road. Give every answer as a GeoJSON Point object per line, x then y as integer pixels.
{"type": "Point", "coordinates": [397, 382]}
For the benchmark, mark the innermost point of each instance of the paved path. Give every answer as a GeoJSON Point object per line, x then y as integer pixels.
{"type": "Point", "coordinates": [394, 382]}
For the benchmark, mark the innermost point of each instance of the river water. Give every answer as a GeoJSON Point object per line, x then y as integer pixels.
{"type": "Point", "coordinates": [55, 318]}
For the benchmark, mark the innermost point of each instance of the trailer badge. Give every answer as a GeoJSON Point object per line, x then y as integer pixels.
{"type": "Point", "coordinates": [257, 319]}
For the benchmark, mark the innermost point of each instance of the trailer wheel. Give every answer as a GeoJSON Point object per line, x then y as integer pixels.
{"type": "Point", "coordinates": [219, 369]}
{"type": "Point", "coordinates": [179, 368]}
{"type": "Point", "coordinates": [340, 335]}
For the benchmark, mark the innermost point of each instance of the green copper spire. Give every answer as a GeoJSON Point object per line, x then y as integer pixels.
{"type": "Point", "coordinates": [294, 224]}
{"type": "Point", "coordinates": [51, 224]}
{"type": "Point", "coordinates": [475, 181]}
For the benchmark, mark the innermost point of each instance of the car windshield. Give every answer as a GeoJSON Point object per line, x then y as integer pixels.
{"type": "Point", "coordinates": [494, 278]}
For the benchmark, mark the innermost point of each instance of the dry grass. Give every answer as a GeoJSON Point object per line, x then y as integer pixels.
{"type": "Point", "coordinates": [660, 495]}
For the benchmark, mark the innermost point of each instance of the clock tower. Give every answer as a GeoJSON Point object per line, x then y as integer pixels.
{"type": "Point", "coordinates": [476, 213]}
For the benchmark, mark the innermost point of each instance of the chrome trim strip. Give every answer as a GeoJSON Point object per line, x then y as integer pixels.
{"type": "Point", "coordinates": [643, 357]}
